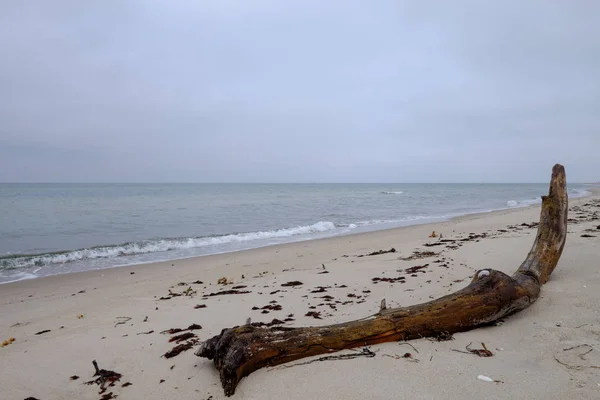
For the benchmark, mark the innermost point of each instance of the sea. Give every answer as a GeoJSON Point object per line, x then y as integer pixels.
{"type": "Point", "coordinates": [50, 229]}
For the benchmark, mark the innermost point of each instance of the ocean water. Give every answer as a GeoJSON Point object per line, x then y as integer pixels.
{"type": "Point", "coordinates": [48, 229]}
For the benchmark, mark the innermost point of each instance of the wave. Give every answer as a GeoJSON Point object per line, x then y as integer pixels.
{"type": "Point", "coordinates": [573, 193]}
{"type": "Point", "coordinates": [405, 220]}
{"type": "Point", "coordinates": [156, 245]}
{"type": "Point", "coordinates": [523, 203]}
{"type": "Point", "coordinates": [380, 222]}
{"type": "Point", "coordinates": [141, 251]}
{"type": "Point", "coordinates": [579, 192]}
{"type": "Point", "coordinates": [19, 276]}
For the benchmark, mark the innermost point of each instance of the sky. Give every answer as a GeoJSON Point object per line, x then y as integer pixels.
{"type": "Point", "coordinates": [299, 91]}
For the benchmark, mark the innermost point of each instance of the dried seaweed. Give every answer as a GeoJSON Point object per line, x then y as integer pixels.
{"type": "Point", "coordinates": [271, 307]}
{"type": "Point", "coordinates": [224, 292]}
{"type": "Point", "coordinates": [105, 377]}
{"type": "Point", "coordinates": [419, 254]}
{"type": "Point", "coordinates": [478, 352]}
{"type": "Point", "coordinates": [177, 330]}
{"type": "Point", "coordinates": [180, 348]}
{"type": "Point", "coordinates": [314, 314]}
{"type": "Point", "coordinates": [292, 283]}
{"type": "Point", "coordinates": [122, 320]}
{"type": "Point", "coordinates": [415, 269]}
{"type": "Point", "coordinates": [182, 337]}
{"type": "Point", "coordinates": [400, 279]}
{"type": "Point", "coordinates": [377, 253]}
{"type": "Point", "coordinates": [433, 244]}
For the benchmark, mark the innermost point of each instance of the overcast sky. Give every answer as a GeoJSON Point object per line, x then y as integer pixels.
{"type": "Point", "coordinates": [299, 91]}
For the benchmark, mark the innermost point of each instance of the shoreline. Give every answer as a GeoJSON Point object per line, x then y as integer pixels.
{"type": "Point", "coordinates": [464, 217]}
{"type": "Point", "coordinates": [478, 214]}
{"type": "Point", "coordinates": [76, 317]}
{"type": "Point", "coordinates": [358, 236]}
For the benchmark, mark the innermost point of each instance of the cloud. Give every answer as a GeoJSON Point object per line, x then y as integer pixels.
{"type": "Point", "coordinates": [298, 91]}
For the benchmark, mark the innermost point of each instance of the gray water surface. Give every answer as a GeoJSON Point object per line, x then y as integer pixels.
{"type": "Point", "coordinates": [48, 229]}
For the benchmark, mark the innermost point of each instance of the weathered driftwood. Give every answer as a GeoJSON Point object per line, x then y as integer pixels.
{"type": "Point", "coordinates": [491, 295]}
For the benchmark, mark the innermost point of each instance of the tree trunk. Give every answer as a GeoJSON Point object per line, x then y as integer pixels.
{"type": "Point", "coordinates": [491, 295]}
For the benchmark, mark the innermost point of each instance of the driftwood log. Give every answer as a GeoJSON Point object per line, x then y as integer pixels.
{"type": "Point", "coordinates": [491, 295]}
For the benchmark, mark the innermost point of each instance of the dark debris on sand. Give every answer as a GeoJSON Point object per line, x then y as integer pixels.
{"type": "Point", "coordinates": [415, 269]}
{"type": "Point", "coordinates": [105, 379]}
{"type": "Point", "coordinates": [225, 292]}
{"type": "Point", "coordinates": [172, 331]}
{"type": "Point", "coordinates": [400, 279]}
{"type": "Point", "coordinates": [180, 348]}
{"type": "Point", "coordinates": [292, 283]}
{"type": "Point", "coordinates": [189, 339]}
{"type": "Point", "coordinates": [478, 352]}
{"type": "Point", "coordinates": [182, 337]}
{"type": "Point", "coordinates": [419, 254]}
{"type": "Point", "coordinates": [377, 253]}
{"type": "Point", "coordinates": [314, 314]}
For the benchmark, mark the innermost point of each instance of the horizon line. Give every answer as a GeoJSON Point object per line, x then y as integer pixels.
{"type": "Point", "coordinates": [281, 183]}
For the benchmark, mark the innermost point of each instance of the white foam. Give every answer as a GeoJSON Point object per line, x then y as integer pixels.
{"type": "Point", "coordinates": [573, 193]}
{"type": "Point", "coordinates": [153, 246]}
{"type": "Point", "coordinates": [376, 222]}
{"type": "Point", "coordinates": [390, 192]}
{"type": "Point", "coordinates": [20, 276]}
{"type": "Point", "coordinates": [523, 203]}
{"type": "Point", "coordinates": [579, 192]}
{"type": "Point", "coordinates": [402, 220]}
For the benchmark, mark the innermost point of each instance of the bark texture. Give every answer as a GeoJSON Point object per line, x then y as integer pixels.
{"type": "Point", "coordinates": [491, 295]}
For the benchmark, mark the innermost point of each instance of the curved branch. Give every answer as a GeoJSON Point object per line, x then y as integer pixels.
{"type": "Point", "coordinates": [491, 295]}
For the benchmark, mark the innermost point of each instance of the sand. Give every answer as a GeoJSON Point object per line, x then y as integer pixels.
{"type": "Point", "coordinates": [82, 312]}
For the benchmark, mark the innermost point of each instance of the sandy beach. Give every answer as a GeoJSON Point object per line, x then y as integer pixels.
{"type": "Point", "coordinates": [195, 196]}
{"type": "Point", "coordinates": [116, 316]}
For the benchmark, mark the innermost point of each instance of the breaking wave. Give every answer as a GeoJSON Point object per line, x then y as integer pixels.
{"type": "Point", "coordinates": [523, 203]}
{"type": "Point", "coordinates": [573, 193]}
{"type": "Point", "coordinates": [578, 192]}
{"type": "Point", "coordinates": [18, 276]}
{"type": "Point", "coordinates": [156, 245]}
{"type": "Point", "coordinates": [14, 267]}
